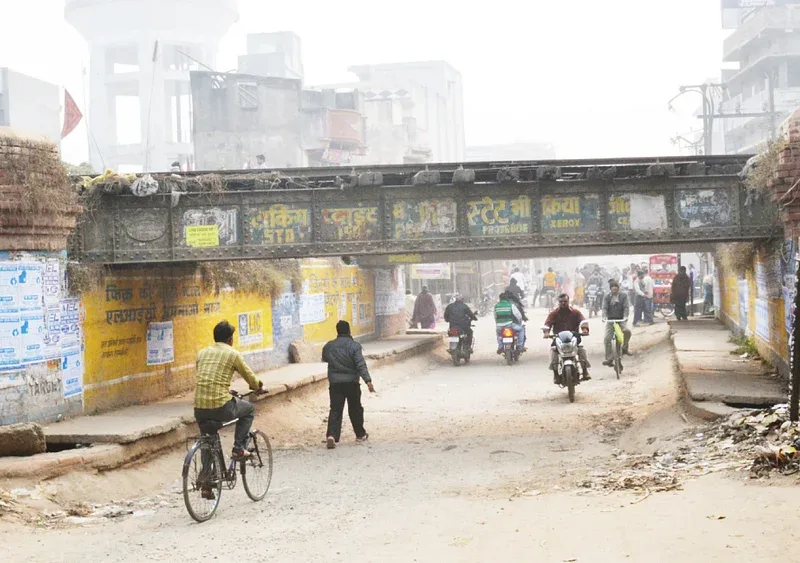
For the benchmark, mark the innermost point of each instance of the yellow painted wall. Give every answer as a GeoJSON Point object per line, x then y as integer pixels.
{"type": "Point", "coordinates": [778, 344]}
{"type": "Point", "coordinates": [116, 331]}
{"type": "Point", "coordinates": [344, 287]}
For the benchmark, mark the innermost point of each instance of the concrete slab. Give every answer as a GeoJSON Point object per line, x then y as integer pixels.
{"type": "Point", "coordinates": [735, 388]}
{"type": "Point", "coordinates": [702, 340]}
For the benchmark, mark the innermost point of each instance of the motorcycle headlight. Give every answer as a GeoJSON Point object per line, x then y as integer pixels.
{"type": "Point", "coordinates": [567, 348]}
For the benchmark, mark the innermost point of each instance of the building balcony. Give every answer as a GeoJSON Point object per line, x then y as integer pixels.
{"type": "Point", "coordinates": [768, 20]}
{"type": "Point", "coordinates": [786, 101]}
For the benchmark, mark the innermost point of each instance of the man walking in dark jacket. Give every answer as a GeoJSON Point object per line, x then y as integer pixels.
{"type": "Point", "coordinates": [345, 365]}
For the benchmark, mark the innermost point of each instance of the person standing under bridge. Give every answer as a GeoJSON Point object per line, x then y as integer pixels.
{"type": "Point", "coordinates": [681, 286]}
{"type": "Point", "coordinates": [424, 310]}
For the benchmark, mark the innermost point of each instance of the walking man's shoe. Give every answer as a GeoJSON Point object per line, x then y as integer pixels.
{"type": "Point", "coordinates": [609, 363]}
{"type": "Point", "coordinates": [627, 353]}
{"type": "Point", "coordinates": [363, 438]}
{"type": "Point", "coordinates": [330, 443]}
{"type": "Point", "coordinates": [586, 376]}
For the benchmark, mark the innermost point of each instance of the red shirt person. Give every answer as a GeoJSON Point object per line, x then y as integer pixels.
{"type": "Point", "coordinates": [566, 318]}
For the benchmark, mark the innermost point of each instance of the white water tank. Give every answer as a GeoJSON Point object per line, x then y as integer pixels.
{"type": "Point", "coordinates": [141, 53]}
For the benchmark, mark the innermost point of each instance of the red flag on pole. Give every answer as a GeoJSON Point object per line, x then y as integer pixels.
{"type": "Point", "coordinates": [72, 115]}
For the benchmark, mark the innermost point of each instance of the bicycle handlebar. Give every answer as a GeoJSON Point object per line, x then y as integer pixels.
{"type": "Point", "coordinates": [238, 395]}
{"type": "Point", "coordinates": [625, 320]}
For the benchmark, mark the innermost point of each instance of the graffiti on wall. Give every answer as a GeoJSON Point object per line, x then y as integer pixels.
{"type": "Point", "coordinates": [499, 216]}
{"type": "Point", "coordinates": [209, 227]}
{"type": "Point", "coordinates": [350, 223]}
{"type": "Point", "coordinates": [704, 208]}
{"type": "Point", "coordinates": [570, 214]}
{"type": "Point", "coordinates": [279, 224]}
{"type": "Point", "coordinates": [430, 218]}
{"type": "Point", "coordinates": [637, 212]}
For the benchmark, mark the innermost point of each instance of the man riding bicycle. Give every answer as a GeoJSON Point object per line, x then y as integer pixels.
{"type": "Point", "coordinates": [565, 318]}
{"type": "Point", "coordinates": [212, 399]}
{"type": "Point", "coordinates": [616, 306]}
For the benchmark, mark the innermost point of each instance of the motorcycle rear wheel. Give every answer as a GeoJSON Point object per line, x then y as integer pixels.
{"type": "Point", "coordinates": [454, 357]}
{"type": "Point", "coordinates": [509, 356]}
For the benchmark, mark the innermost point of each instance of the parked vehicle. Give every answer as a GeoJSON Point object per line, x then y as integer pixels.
{"type": "Point", "coordinates": [485, 305]}
{"type": "Point", "coordinates": [460, 346]}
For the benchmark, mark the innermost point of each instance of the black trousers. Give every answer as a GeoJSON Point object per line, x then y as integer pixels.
{"type": "Point", "coordinates": [341, 392]}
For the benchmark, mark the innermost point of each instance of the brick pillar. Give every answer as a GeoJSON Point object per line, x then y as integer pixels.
{"type": "Point", "coordinates": [38, 208]}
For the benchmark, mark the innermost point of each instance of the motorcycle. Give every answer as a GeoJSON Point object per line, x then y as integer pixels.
{"type": "Point", "coordinates": [510, 345]}
{"type": "Point", "coordinates": [569, 367]}
{"type": "Point", "coordinates": [592, 299]}
{"type": "Point", "coordinates": [460, 346]}
{"type": "Point", "coordinates": [485, 305]}
{"type": "Point", "coordinates": [547, 297]}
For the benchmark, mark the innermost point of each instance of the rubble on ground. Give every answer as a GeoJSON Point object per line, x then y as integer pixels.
{"type": "Point", "coordinates": [757, 442]}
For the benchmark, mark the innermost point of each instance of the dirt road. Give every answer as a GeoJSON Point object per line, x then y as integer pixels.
{"type": "Point", "coordinates": [478, 463]}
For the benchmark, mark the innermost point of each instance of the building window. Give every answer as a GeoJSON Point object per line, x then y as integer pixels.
{"type": "Point", "coordinates": [248, 95]}
{"type": "Point", "coordinates": [793, 74]}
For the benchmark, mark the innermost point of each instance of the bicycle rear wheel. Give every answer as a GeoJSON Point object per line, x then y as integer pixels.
{"type": "Point", "coordinates": [202, 470]}
{"type": "Point", "coordinates": [257, 471]}
{"type": "Point", "coordinates": [618, 359]}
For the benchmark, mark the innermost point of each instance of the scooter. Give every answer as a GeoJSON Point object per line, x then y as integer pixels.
{"type": "Point", "coordinates": [460, 346]}
{"type": "Point", "coordinates": [569, 369]}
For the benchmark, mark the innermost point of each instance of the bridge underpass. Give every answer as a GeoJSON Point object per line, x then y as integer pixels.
{"type": "Point", "coordinates": [398, 214]}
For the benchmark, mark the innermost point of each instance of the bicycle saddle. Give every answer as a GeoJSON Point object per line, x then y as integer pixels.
{"type": "Point", "coordinates": [210, 426]}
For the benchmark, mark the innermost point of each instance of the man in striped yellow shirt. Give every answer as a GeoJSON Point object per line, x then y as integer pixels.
{"type": "Point", "coordinates": [212, 400]}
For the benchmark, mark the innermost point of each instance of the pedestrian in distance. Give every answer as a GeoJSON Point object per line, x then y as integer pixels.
{"type": "Point", "coordinates": [681, 286]}
{"type": "Point", "coordinates": [424, 310]}
{"type": "Point", "coordinates": [346, 366]}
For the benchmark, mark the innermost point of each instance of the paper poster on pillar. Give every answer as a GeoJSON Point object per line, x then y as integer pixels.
{"type": "Point", "coordinates": [32, 332]}
{"type": "Point", "coordinates": [29, 286]}
{"type": "Point", "coordinates": [72, 371]}
{"type": "Point", "coordinates": [9, 296]}
{"type": "Point", "coordinates": [10, 341]}
{"type": "Point", "coordinates": [51, 281]}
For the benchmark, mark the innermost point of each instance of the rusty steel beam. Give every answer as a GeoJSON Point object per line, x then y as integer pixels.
{"type": "Point", "coordinates": [541, 209]}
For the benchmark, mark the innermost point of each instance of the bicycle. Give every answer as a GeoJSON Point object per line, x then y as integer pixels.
{"type": "Point", "coordinates": [619, 338]}
{"type": "Point", "coordinates": [205, 468]}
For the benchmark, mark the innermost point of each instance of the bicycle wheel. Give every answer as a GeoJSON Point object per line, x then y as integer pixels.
{"type": "Point", "coordinates": [618, 359]}
{"type": "Point", "coordinates": [257, 471]}
{"type": "Point", "coordinates": [202, 470]}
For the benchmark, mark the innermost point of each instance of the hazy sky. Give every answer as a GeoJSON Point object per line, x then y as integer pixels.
{"type": "Point", "coordinates": [591, 77]}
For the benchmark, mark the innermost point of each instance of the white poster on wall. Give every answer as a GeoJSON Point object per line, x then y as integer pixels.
{"type": "Point", "coordinates": [160, 344]}
{"type": "Point", "coordinates": [72, 371]}
{"type": "Point", "coordinates": [312, 308]}
{"type": "Point", "coordinates": [52, 332]}
{"type": "Point", "coordinates": [32, 333]}
{"type": "Point", "coordinates": [30, 287]}
{"type": "Point", "coordinates": [10, 341]}
{"type": "Point", "coordinates": [744, 305]}
{"type": "Point", "coordinates": [51, 281]}
{"type": "Point", "coordinates": [9, 296]}
{"type": "Point", "coordinates": [342, 306]}
{"type": "Point", "coordinates": [250, 328]}
{"type": "Point", "coordinates": [762, 318]}
{"type": "Point", "coordinates": [354, 312]}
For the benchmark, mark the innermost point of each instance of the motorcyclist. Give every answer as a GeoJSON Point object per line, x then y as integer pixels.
{"type": "Point", "coordinates": [616, 306]}
{"type": "Point", "coordinates": [460, 317]}
{"type": "Point", "coordinates": [594, 286]}
{"type": "Point", "coordinates": [506, 313]}
{"type": "Point", "coordinates": [565, 318]}
{"type": "Point", "coordinates": [549, 281]}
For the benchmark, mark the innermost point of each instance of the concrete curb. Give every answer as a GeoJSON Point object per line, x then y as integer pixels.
{"type": "Point", "coordinates": [106, 457]}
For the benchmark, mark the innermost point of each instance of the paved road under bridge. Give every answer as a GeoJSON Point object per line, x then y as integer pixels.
{"type": "Point", "coordinates": [413, 213]}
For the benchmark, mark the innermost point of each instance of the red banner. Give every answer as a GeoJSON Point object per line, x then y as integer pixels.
{"type": "Point", "coordinates": [72, 115]}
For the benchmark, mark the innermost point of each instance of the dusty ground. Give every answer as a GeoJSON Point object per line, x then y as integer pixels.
{"type": "Point", "coordinates": [479, 463]}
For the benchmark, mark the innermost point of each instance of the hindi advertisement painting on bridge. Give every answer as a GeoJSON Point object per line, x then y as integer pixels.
{"type": "Point", "coordinates": [357, 223]}
{"type": "Point", "coordinates": [704, 208]}
{"type": "Point", "coordinates": [570, 214]}
{"type": "Point", "coordinates": [279, 224]}
{"type": "Point", "coordinates": [499, 216]}
{"type": "Point", "coordinates": [430, 218]}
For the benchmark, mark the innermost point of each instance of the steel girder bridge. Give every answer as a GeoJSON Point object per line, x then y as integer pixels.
{"type": "Point", "coordinates": [442, 212]}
